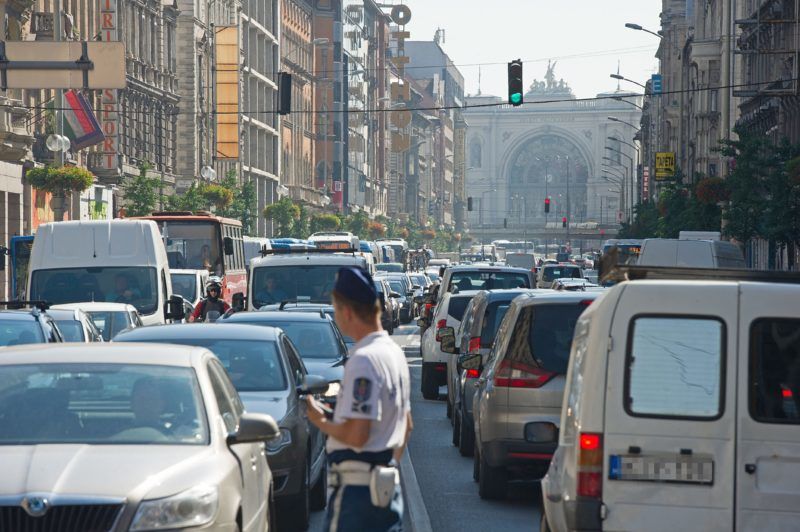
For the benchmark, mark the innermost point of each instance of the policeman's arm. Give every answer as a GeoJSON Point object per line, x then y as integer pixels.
{"type": "Point", "coordinates": [351, 432]}
{"type": "Point", "coordinates": [398, 453]}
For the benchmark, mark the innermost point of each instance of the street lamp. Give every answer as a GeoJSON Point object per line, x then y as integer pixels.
{"type": "Point", "coordinates": [632, 176]}
{"type": "Point", "coordinates": [638, 27]}
{"type": "Point", "coordinates": [483, 226]}
{"type": "Point", "coordinates": [615, 119]}
{"type": "Point", "coordinates": [208, 173]}
{"type": "Point", "coordinates": [57, 143]}
{"type": "Point", "coordinates": [623, 78]}
{"type": "Point", "coordinates": [622, 99]}
{"type": "Point", "coordinates": [282, 190]}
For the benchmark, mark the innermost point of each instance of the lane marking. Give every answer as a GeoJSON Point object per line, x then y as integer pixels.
{"type": "Point", "coordinates": [417, 511]}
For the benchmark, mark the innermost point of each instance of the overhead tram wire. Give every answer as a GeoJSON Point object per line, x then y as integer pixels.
{"type": "Point", "coordinates": [502, 103]}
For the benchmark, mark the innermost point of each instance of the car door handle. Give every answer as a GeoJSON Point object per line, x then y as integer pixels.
{"type": "Point", "coordinates": [253, 461]}
{"type": "Point", "coordinates": [749, 468]}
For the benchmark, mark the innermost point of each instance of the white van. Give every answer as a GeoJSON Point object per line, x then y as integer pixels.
{"type": "Point", "coordinates": [117, 261]}
{"type": "Point", "coordinates": [681, 410]}
{"type": "Point", "coordinates": [691, 253]}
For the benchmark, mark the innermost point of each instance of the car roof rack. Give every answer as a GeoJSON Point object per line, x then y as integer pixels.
{"type": "Point", "coordinates": [637, 273]}
{"type": "Point", "coordinates": [17, 305]}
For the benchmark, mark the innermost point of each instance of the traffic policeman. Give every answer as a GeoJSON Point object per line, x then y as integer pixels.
{"type": "Point", "coordinates": [370, 426]}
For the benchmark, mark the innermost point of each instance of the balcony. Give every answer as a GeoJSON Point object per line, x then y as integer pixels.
{"type": "Point", "coordinates": [15, 139]}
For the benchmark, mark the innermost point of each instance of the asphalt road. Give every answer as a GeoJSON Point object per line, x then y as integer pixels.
{"type": "Point", "coordinates": [448, 493]}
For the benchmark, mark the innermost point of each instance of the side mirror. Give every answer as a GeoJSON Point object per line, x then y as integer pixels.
{"type": "Point", "coordinates": [254, 428]}
{"type": "Point", "coordinates": [470, 362]}
{"type": "Point", "coordinates": [416, 287]}
{"type": "Point", "coordinates": [422, 322]}
{"type": "Point", "coordinates": [447, 339]}
{"type": "Point", "coordinates": [228, 245]}
{"type": "Point", "coordinates": [239, 300]}
{"type": "Point", "coordinates": [173, 309]}
{"type": "Point", "coordinates": [313, 385]}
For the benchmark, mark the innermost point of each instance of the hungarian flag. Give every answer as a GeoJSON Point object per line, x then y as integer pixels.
{"type": "Point", "coordinates": [80, 123]}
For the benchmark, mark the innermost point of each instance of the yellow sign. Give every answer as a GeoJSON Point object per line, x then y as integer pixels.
{"type": "Point", "coordinates": [665, 165]}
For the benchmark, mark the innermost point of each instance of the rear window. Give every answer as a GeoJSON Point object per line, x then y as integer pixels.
{"type": "Point", "coordinates": [548, 330]}
{"type": "Point", "coordinates": [551, 274]}
{"type": "Point", "coordinates": [774, 372]}
{"type": "Point", "coordinates": [457, 306]}
{"type": "Point", "coordinates": [491, 321]}
{"type": "Point", "coordinates": [489, 280]}
{"type": "Point", "coordinates": [674, 367]}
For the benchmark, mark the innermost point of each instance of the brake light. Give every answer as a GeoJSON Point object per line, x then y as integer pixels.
{"type": "Point", "coordinates": [474, 346]}
{"type": "Point", "coordinates": [586, 302]}
{"type": "Point", "coordinates": [787, 394]}
{"type": "Point", "coordinates": [590, 465]}
{"type": "Point", "coordinates": [518, 375]}
{"type": "Point", "coordinates": [441, 324]}
{"type": "Point", "coordinates": [473, 374]}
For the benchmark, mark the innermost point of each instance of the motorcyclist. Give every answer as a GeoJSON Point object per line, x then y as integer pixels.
{"type": "Point", "coordinates": [212, 302]}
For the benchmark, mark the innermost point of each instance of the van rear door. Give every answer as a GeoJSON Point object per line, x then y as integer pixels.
{"type": "Point", "coordinates": [669, 432]}
{"type": "Point", "coordinates": [768, 432]}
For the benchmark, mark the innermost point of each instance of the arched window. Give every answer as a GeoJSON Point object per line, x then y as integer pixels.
{"type": "Point", "coordinates": [476, 154]}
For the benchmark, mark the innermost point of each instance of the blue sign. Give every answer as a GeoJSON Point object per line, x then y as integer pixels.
{"type": "Point", "coordinates": [656, 79]}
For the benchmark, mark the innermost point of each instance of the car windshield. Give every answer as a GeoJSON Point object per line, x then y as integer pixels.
{"type": "Point", "coordinates": [133, 285]}
{"type": "Point", "coordinates": [419, 280]}
{"type": "Point", "coordinates": [193, 245]}
{"type": "Point", "coordinates": [398, 286]}
{"type": "Point", "coordinates": [312, 339]}
{"type": "Point", "coordinates": [185, 285]}
{"type": "Point", "coordinates": [551, 274]}
{"type": "Point", "coordinates": [253, 365]}
{"type": "Point", "coordinates": [488, 280]}
{"type": "Point", "coordinates": [491, 321]}
{"type": "Point", "coordinates": [434, 276]}
{"type": "Point", "coordinates": [273, 284]}
{"type": "Point", "coordinates": [109, 323]}
{"type": "Point", "coordinates": [71, 330]}
{"type": "Point", "coordinates": [20, 332]}
{"type": "Point", "coordinates": [100, 404]}
{"type": "Point", "coordinates": [390, 267]}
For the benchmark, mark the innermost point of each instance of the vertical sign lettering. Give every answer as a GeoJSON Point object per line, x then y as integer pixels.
{"type": "Point", "coordinates": [109, 98]}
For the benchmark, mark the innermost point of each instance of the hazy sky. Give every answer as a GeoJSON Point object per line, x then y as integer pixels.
{"type": "Point", "coordinates": [497, 31]}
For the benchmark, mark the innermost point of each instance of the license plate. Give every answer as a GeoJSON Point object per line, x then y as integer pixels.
{"type": "Point", "coordinates": [683, 469]}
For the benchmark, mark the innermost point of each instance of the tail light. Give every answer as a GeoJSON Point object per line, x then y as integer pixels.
{"type": "Point", "coordinates": [441, 324]}
{"type": "Point", "coordinates": [586, 302]}
{"type": "Point", "coordinates": [590, 465]}
{"type": "Point", "coordinates": [473, 374]}
{"type": "Point", "coordinates": [518, 375]}
{"type": "Point", "coordinates": [474, 346]}
{"type": "Point", "coordinates": [786, 393]}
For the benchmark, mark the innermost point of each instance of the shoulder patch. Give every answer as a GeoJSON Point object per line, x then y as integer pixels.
{"type": "Point", "coordinates": [362, 390]}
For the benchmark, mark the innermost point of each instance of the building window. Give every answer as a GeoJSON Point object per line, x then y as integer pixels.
{"type": "Point", "coordinates": [712, 100]}
{"type": "Point", "coordinates": [476, 154]}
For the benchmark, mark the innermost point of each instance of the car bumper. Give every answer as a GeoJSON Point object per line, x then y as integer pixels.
{"type": "Point", "coordinates": [439, 369]}
{"type": "Point", "coordinates": [531, 460]}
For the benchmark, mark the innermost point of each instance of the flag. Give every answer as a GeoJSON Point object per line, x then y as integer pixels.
{"type": "Point", "coordinates": [80, 123]}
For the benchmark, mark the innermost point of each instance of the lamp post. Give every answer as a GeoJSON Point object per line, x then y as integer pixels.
{"type": "Point", "coordinates": [623, 78]}
{"type": "Point", "coordinates": [483, 226]}
{"type": "Point", "coordinates": [622, 99]}
{"type": "Point", "coordinates": [624, 176]}
{"type": "Point", "coordinates": [637, 27]}
{"type": "Point", "coordinates": [636, 130]}
{"type": "Point", "coordinates": [630, 159]}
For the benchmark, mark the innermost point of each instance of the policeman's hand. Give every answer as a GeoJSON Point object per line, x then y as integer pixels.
{"type": "Point", "coordinates": [316, 414]}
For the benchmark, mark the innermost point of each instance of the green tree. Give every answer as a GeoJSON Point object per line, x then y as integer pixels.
{"type": "Point", "coordinates": [324, 222]}
{"type": "Point", "coordinates": [141, 193]}
{"type": "Point", "coordinates": [301, 226]}
{"type": "Point", "coordinates": [283, 213]}
{"type": "Point", "coordinates": [243, 206]}
{"type": "Point", "coordinates": [358, 224]}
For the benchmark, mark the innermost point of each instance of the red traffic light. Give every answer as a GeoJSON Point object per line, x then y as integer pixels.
{"type": "Point", "coordinates": [547, 205]}
{"type": "Point", "coordinates": [564, 221]}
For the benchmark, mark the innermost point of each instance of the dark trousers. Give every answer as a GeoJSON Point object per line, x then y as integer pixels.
{"type": "Point", "coordinates": [350, 510]}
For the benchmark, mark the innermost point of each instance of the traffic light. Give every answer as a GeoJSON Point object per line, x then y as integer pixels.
{"type": "Point", "coordinates": [515, 83]}
{"type": "Point", "coordinates": [284, 93]}
{"type": "Point", "coordinates": [547, 205]}
{"type": "Point", "coordinates": [564, 222]}
{"type": "Point", "coordinates": [505, 223]}
{"type": "Point", "coordinates": [469, 203]}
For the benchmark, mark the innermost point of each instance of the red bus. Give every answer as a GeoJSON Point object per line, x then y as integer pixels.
{"type": "Point", "coordinates": [202, 241]}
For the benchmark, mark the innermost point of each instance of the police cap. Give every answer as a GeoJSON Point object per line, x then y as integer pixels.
{"type": "Point", "coordinates": [356, 285]}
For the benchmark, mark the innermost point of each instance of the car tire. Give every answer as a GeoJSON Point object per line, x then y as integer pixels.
{"type": "Point", "coordinates": [492, 481]}
{"type": "Point", "coordinates": [456, 429]}
{"type": "Point", "coordinates": [319, 492]}
{"type": "Point", "coordinates": [466, 437]}
{"type": "Point", "coordinates": [430, 384]}
{"type": "Point", "coordinates": [298, 511]}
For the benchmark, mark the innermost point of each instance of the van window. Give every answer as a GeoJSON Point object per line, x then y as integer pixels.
{"type": "Point", "coordinates": [774, 376]}
{"type": "Point", "coordinates": [575, 386]}
{"type": "Point", "coordinates": [491, 321]}
{"type": "Point", "coordinates": [674, 367]}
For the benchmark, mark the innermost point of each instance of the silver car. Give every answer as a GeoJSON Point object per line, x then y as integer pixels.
{"type": "Point", "coordinates": [128, 437]}
{"type": "Point", "coordinates": [517, 403]}
{"type": "Point", "coordinates": [475, 336]}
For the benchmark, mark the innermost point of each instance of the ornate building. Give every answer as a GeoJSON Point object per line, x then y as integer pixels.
{"type": "Point", "coordinates": [560, 148]}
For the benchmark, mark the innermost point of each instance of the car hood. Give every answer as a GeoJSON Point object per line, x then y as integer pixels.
{"type": "Point", "coordinates": [139, 471]}
{"type": "Point", "coordinates": [274, 404]}
{"type": "Point", "coordinates": [325, 367]}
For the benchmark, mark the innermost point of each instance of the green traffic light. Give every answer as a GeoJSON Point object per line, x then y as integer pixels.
{"type": "Point", "coordinates": [516, 98]}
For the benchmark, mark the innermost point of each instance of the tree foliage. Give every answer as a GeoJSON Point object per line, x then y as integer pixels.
{"type": "Point", "coordinates": [283, 213]}
{"type": "Point", "coordinates": [141, 193]}
{"type": "Point", "coordinates": [322, 222]}
{"type": "Point", "coordinates": [59, 180]}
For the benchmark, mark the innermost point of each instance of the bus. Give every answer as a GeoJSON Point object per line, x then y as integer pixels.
{"type": "Point", "coordinates": [203, 241]}
{"type": "Point", "coordinates": [20, 256]}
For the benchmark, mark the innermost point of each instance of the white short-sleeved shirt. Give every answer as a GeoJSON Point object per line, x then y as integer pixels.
{"type": "Point", "coordinates": [376, 386]}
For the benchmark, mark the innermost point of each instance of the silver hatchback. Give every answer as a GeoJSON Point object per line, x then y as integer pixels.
{"type": "Point", "coordinates": [517, 403]}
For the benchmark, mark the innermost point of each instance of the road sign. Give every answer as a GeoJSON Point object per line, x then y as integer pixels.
{"type": "Point", "coordinates": [665, 165]}
{"type": "Point", "coordinates": [62, 65]}
{"type": "Point", "coordinates": [657, 84]}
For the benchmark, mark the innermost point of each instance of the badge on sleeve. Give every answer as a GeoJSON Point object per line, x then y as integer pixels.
{"type": "Point", "coordinates": [362, 389]}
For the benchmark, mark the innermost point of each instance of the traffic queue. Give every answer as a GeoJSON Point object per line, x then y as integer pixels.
{"type": "Point", "coordinates": [665, 399]}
